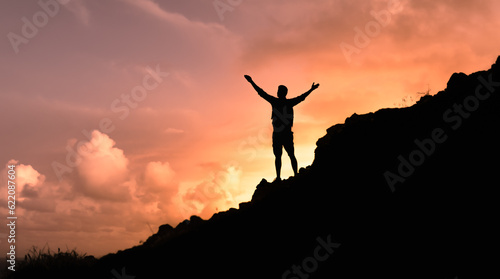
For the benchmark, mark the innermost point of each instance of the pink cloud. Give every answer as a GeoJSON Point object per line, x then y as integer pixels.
{"type": "Point", "coordinates": [102, 170]}
{"type": "Point", "coordinates": [157, 185]}
{"type": "Point", "coordinates": [219, 191]}
{"type": "Point", "coordinates": [28, 177]}
{"type": "Point", "coordinates": [158, 174]}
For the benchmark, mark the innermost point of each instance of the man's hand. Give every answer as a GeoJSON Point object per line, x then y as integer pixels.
{"type": "Point", "coordinates": [259, 90]}
{"type": "Point", "coordinates": [314, 86]}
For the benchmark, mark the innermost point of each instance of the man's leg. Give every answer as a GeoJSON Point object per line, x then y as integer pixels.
{"type": "Point", "coordinates": [277, 164]}
{"type": "Point", "coordinates": [294, 163]}
{"type": "Point", "coordinates": [277, 150]}
{"type": "Point", "coordinates": [290, 150]}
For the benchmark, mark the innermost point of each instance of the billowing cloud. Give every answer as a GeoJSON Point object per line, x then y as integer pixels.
{"type": "Point", "coordinates": [220, 191]}
{"type": "Point", "coordinates": [102, 169]}
{"type": "Point", "coordinates": [28, 178]}
{"type": "Point", "coordinates": [89, 201]}
{"type": "Point", "coordinates": [157, 184]}
{"type": "Point", "coordinates": [158, 175]}
{"type": "Point", "coordinates": [28, 181]}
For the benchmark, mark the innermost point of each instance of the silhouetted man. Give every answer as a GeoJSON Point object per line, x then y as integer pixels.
{"type": "Point", "coordinates": [282, 117]}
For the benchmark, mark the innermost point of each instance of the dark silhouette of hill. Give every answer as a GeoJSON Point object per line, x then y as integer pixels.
{"type": "Point", "coordinates": [398, 193]}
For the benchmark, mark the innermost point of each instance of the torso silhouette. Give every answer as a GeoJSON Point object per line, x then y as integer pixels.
{"type": "Point", "coordinates": [282, 114]}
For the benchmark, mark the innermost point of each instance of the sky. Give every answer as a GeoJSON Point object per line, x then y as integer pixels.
{"type": "Point", "coordinates": [123, 115]}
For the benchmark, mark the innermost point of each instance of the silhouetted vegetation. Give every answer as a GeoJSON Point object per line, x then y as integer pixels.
{"type": "Point", "coordinates": [45, 263]}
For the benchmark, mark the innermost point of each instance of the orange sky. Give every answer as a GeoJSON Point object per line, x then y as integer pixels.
{"type": "Point", "coordinates": [153, 95]}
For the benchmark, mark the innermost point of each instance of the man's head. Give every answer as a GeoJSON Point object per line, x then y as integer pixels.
{"type": "Point", "coordinates": [282, 90]}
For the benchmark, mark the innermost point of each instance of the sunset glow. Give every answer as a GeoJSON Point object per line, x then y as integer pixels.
{"type": "Point", "coordinates": [125, 115]}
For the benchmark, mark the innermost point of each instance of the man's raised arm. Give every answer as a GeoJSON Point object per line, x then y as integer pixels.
{"type": "Point", "coordinates": [302, 97]}
{"type": "Point", "coordinates": [259, 90]}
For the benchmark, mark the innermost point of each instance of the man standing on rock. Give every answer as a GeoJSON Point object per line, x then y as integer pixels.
{"type": "Point", "coordinates": [282, 117]}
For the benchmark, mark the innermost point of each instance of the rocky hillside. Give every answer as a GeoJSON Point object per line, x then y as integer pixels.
{"type": "Point", "coordinates": [398, 193]}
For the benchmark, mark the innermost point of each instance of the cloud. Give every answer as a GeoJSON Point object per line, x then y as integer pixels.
{"type": "Point", "coordinates": [28, 177]}
{"type": "Point", "coordinates": [313, 33]}
{"type": "Point", "coordinates": [102, 172]}
{"type": "Point", "coordinates": [158, 175]}
{"type": "Point", "coordinates": [218, 192]}
{"type": "Point", "coordinates": [78, 8]}
{"type": "Point", "coordinates": [28, 181]}
{"type": "Point", "coordinates": [106, 188]}
{"type": "Point", "coordinates": [154, 9]}
{"type": "Point", "coordinates": [173, 131]}
{"type": "Point", "coordinates": [177, 19]}
{"type": "Point", "coordinates": [157, 184]}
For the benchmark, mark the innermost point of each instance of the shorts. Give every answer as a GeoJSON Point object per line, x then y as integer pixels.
{"type": "Point", "coordinates": [282, 139]}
